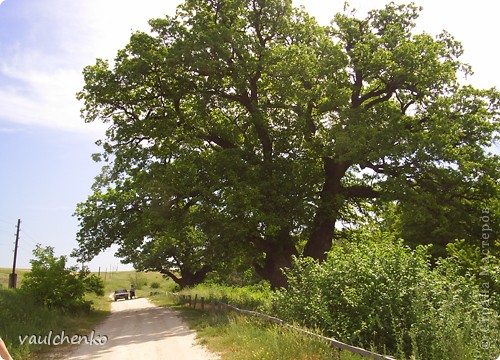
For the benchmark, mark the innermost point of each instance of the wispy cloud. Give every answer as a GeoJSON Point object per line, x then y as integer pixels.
{"type": "Point", "coordinates": [38, 76]}
{"type": "Point", "coordinates": [10, 130]}
{"type": "Point", "coordinates": [45, 48]}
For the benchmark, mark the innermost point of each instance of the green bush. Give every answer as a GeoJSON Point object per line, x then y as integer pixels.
{"type": "Point", "coordinates": [379, 294]}
{"type": "Point", "coordinates": [52, 284]}
{"type": "Point", "coordinates": [154, 285]}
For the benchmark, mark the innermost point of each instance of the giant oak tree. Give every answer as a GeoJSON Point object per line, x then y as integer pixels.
{"type": "Point", "coordinates": [244, 130]}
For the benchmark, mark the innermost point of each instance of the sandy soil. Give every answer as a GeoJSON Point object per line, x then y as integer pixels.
{"type": "Point", "coordinates": [137, 329]}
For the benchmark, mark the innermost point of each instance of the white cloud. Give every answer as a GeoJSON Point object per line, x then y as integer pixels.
{"type": "Point", "coordinates": [48, 101]}
{"type": "Point", "coordinates": [9, 130]}
{"type": "Point", "coordinates": [41, 64]}
{"type": "Point", "coordinates": [111, 22]}
{"type": "Point", "coordinates": [39, 91]}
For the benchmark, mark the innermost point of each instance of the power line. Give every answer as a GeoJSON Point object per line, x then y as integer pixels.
{"type": "Point", "coordinates": [25, 249]}
{"type": "Point", "coordinates": [4, 231]}
{"type": "Point", "coordinates": [5, 221]}
{"type": "Point", "coordinates": [30, 238]}
{"type": "Point", "coordinates": [4, 228]}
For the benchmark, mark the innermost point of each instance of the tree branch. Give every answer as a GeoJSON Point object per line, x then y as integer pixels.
{"type": "Point", "coordinates": [388, 91]}
{"type": "Point", "coordinates": [170, 275]}
{"type": "Point", "coordinates": [361, 191]}
{"type": "Point", "coordinates": [358, 84]}
{"type": "Point", "coordinates": [380, 168]}
{"type": "Point", "coordinates": [223, 143]}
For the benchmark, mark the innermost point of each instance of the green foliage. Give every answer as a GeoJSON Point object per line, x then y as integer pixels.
{"type": "Point", "coordinates": [251, 297]}
{"type": "Point", "coordinates": [94, 284]}
{"type": "Point", "coordinates": [441, 220]}
{"type": "Point", "coordinates": [376, 292]}
{"type": "Point", "coordinates": [54, 285]}
{"type": "Point", "coordinates": [241, 132]}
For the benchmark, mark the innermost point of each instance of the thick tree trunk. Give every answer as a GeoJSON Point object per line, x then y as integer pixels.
{"type": "Point", "coordinates": [332, 198]}
{"type": "Point", "coordinates": [274, 264]}
{"type": "Point", "coordinates": [189, 278]}
{"type": "Point", "coordinates": [278, 256]}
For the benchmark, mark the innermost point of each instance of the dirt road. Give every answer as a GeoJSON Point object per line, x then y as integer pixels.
{"type": "Point", "coordinates": [137, 329]}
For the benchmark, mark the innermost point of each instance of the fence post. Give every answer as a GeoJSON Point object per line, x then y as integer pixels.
{"type": "Point", "coordinates": [189, 300]}
{"type": "Point", "coordinates": [195, 301]}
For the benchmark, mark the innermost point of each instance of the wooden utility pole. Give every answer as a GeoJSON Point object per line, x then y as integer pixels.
{"type": "Point", "coordinates": [13, 276]}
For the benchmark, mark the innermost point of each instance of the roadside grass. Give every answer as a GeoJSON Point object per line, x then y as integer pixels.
{"type": "Point", "coordinates": [21, 316]}
{"type": "Point", "coordinates": [236, 337]}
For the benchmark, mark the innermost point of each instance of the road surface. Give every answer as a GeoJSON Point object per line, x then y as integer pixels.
{"type": "Point", "coordinates": [137, 329]}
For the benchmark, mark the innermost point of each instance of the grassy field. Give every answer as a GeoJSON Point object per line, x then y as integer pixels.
{"type": "Point", "coordinates": [113, 280]}
{"type": "Point", "coordinates": [4, 277]}
{"type": "Point", "coordinates": [123, 279]}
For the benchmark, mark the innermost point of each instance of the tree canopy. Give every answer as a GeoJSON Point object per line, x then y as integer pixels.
{"type": "Point", "coordinates": [243, 133]}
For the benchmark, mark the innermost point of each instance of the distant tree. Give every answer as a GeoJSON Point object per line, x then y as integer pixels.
{"type": "Point", "coordinates": [279, 128]}
{"type": "Point", "coordinates": [53, 284]}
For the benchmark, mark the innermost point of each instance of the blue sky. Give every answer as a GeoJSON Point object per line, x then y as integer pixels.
{"type": "Point", "coordinates": [45, 148]}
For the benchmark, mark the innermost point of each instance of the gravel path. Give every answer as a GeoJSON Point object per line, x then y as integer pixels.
{"type": "Point", "coordinates": [137, 329]}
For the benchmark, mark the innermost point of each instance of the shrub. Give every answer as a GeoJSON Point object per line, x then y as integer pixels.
{"type": "Point", "coordinates": [54, 285]}
{"type": "Point", "coordinates": [378, 293]}
{"type": "Point", "coordinates": [155, 285]}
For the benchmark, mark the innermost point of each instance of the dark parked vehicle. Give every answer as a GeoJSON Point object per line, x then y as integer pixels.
{"type": "Point", "coordinates": [121, 294]}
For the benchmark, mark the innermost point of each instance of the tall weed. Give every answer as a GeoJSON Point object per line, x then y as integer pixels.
{"type": "Point", "coordinates": [20, 316]}
{"type": "Point", "coordinates": [238, 337]}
